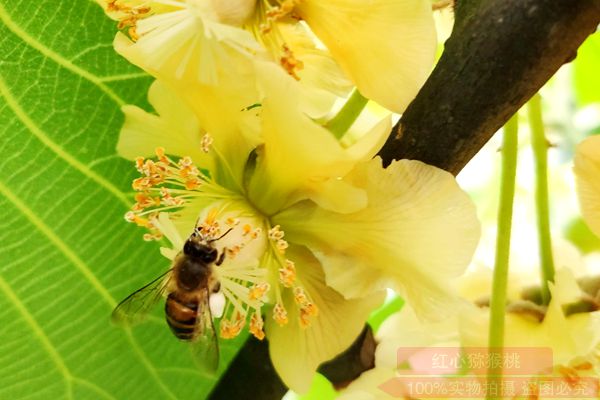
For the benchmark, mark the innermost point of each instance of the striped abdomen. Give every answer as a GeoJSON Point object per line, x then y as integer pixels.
{"type": "Point", "coordinates": [181, 316]}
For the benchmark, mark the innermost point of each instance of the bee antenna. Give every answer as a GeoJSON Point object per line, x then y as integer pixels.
{"type": "Point", "coordinates": [220, 237]}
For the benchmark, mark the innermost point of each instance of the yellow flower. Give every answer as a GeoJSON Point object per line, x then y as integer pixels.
{"type": "Point", "coordinates": [574, 341]}
{"type": "Point", "coordinates": [587, 174]}
{"type": "Point", "coordinates": [188, 40]}
{"type": "Point", "coordinates": [385, 47]}
{"type": "Point", "coordinates": [337, 228]}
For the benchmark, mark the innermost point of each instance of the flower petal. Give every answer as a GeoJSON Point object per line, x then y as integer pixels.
{"type": "Point", "coordinates": [185, 116]}
{"type": "Point", "coordinates": [297, 151]}
{"type": "Point", "coordinates": [418, 231]}
{"type": "Point", "coordinates": [386, 46]}
{"type": "Point", "coordinates": [186, 43]}
{"type": "Point", "coordinates": [587, 174]}
{"type": "Point", "coordinates": [176, 128]}
{"type": "Point", "coordinates": [320, 74]}
{"type": "Point", "coordinates": [296, 352]}
{"type": "Point", "coordinates": [569, 337]}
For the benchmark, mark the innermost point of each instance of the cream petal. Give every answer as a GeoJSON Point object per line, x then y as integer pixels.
{"type": "Point", "coordinates": [297, 151]}
{"type": "Point", "coordinates": [176, 129]}
{"type": "Point", "coordinates": [418, 231]}
{"type": "Point", "coordinates": [296, 352]}
{"type": "Point", "coordinates": [337, 195]}
{"type": "Point", "coordinates": [387, 47]}
{"type": "Point", "coordinates": [587, 174]}
{"type": "Point", "coordinates": [321, 77]}
{"type": "Point", "coordinates": [186, 113]}
{"type": "Point", "coordinates": [184, 43]}
{"type": "Point", "coordinates": [366, 146]}
{"type": "Point", "coordinates": [569, 337]}
{"type": "Point", "coordinates": [233, 12]}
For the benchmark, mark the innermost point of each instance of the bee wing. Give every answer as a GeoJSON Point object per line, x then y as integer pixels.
{"type": "Point", "coordinates": [205, 345]}
{"type": "Point", "coordinates": [134, 308]}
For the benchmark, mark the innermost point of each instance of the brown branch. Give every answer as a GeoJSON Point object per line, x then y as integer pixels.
{"type": "Point", "coordinates": [495, 60]}
{"type": "Point", "coordinates": [500, 53]}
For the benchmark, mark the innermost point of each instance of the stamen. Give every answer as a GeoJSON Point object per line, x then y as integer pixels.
{"type": "Point", "coordinates": [230, 329]}
{"type": "Point", "coordinates": [290, 63]}
{"type": "Point", "coordinates": [275, 233]}
{"type": "Point", "coordinates": [287, 274]}
{"type": "Point", "coordinates": [307, 308]}
{"type": "Point", "coordinates": [278, 12]}
{"type": "Point", "coordinates": [128, 16]}
{"type": "Point", "coordinates": [231, 222]}
{"type": "Point", "coordinates": [256, 326]}
{"type": "Point", "coordinates": [207, 141]}
{"type": "Point", "coordinates": [258, 291]}
{"type": "Point", "coordinates": [166, 184]}
{"type": "Point", "coordinates": [281, 246]}
{"type": "Point", "coordinates": [280, 314]}
{"type": "Point", "coordinates": [210, 227]}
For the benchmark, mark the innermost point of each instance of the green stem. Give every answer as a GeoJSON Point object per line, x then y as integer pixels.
{"type": "Point", "coordinates": [344, 119]}
{"type": "Point", "coordinates": [505, 210]}
{"type": "Point", "coordinates": [539, 145]}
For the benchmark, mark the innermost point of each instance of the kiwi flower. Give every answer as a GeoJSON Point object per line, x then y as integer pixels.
{"type": "Point", "coordinates": [384, 47]}
{"type": "Point", "coordinates": [574, 341]}
{"type": "Point", "coordinates": [326, 227]}
{"type": "Point", "coordinates": [587, 174]}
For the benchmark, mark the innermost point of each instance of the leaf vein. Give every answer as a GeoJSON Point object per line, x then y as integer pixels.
{"type": "Point", "coordinates": [41, 135]}
{"type": "Point", "coordinates": [59, 59]}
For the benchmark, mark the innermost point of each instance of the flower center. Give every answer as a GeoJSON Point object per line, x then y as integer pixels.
{"type": "Point", "coordinates": [250, 268]}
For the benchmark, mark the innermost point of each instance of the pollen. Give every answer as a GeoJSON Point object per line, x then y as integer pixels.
{"type": "Point", "coordinates": [149, 237]}
{"type": "Point", "coordinates": [167, 184]}
{"type": "Point", "coordinates": [281, 246]}
{"type": "Point", "coordinates": [127, 16]}
{"type": "Point", "coordinates": [130, 216]}
{"type": "Point", "coordinates": [256, 326]}
{"type": "Point", "coordinates": [207, 141]}
{"type": "Point", "coordinates": [290, 63]}
{"type": "Point", "coordinates": [210, 228]}
{"type": "Point", "coordinates": [231, 222]}
{"type": "Point", "coordinates": [307, 308]}
{"type": "Point", "coordinates": [229, 329]}
{"type": "Point", "coordinates": [280, 314]}
{"type": "Point", "coordinates": [287, 274]}
{"type": "Point", "coordinates": [275, 233]}
{"type": "Point", "coordinates": [258, 291]}
{"type": "Point", "coordinates": [286, 7]}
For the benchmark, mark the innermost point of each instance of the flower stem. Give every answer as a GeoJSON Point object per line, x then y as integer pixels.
{"type": "Point", "coordinates": [505, 211]}
{"type": "Point", "coordinates": [344, 119]}
{"type": "Point", "coordinates": [540, 156]}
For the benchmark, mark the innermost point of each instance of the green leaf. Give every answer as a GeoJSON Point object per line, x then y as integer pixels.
{"type": "Point", "coordinates": [67, 255]}
{"type": "Point", "coordinates": [585, 71]}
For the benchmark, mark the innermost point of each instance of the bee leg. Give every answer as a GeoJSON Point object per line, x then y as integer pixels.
{"type": "Point", "coordinates": [221, 258]}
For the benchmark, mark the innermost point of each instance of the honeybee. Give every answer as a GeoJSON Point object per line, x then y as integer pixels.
{"type": "Point", "coordinates": [188, 285]}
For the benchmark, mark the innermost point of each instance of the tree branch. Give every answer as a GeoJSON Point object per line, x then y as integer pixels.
{"type": "Point", "coordinates": [500, 53]}
{"type": "Point", "coordinates": [495, 60]}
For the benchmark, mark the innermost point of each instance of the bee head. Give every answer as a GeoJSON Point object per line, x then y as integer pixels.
{"type": "Point", "coordinates": [200, 251]}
